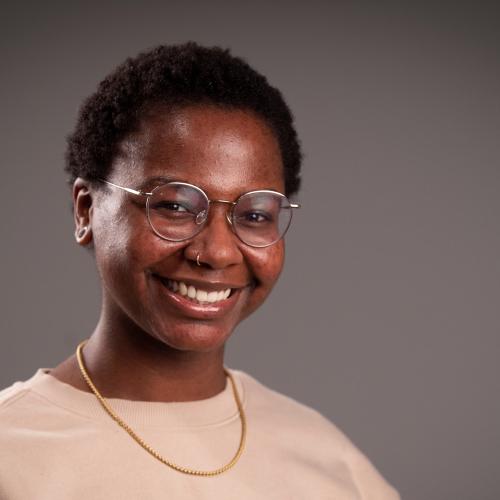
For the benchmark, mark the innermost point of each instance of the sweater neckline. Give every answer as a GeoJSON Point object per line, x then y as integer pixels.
{"type": "Point", "coordinates": [212, 411]}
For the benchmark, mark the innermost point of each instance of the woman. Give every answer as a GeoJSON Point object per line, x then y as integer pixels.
{"type": "Point", "coordinates": [180, 165]}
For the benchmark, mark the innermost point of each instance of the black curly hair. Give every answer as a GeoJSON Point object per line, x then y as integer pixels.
{"type": "Point", "coordinates": [175, 75]}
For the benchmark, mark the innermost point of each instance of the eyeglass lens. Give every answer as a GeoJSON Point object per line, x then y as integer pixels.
{"type": "Point", "coordinates": [178, 211]}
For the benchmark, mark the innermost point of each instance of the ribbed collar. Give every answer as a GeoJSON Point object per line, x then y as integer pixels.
{"type": "Point", "coordinates": [206, 412]}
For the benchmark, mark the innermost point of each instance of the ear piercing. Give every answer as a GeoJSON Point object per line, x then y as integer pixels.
{"type": "Point", "coordinates": [81, 232]}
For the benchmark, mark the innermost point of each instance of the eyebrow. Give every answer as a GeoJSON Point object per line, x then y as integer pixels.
{"type": "Point", "coordinates": [159, 179]}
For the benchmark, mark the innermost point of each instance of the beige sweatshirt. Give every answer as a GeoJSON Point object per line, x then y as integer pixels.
{"type": "Point", "coordinates": [57, 443]}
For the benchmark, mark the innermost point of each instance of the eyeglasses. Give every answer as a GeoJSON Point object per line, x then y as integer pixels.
{"type": "Point", "coordinates": [177, 211]}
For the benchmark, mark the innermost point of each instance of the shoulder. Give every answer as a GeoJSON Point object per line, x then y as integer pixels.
{"type": "Point", "coordinates": [309, 436]}
{"type": "Point", "coordinates": [273, 405]}
{"type": "Point", "coordinates": [18, 415]}
{"type": "Point", "coordinates": [12, 395]}
{"type": "Point", "coordinates": [22, 404]}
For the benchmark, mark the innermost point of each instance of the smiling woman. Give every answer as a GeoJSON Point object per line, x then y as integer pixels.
{"type": "Point", "coordinates": [181, 165]}
{"type": "Point", "coordinates": [227, 152]}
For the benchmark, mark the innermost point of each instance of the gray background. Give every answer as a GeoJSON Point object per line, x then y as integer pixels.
{"type": "Point", "coordinates": [387, 316]}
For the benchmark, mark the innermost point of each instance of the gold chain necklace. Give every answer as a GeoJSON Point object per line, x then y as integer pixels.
{"type": "Point", "coordinates": [148, 448]}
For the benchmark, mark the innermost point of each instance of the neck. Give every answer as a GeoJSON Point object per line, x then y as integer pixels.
{"type": "Point", "coordinates": [130, 364]}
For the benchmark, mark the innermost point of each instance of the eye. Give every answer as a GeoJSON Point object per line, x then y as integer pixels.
{"type": "Point", "coordinates": [255, 218]}
{"type": "Point", "coordinates": [170, 205]}
{"type": "Point", "coordinates": [171, 208]}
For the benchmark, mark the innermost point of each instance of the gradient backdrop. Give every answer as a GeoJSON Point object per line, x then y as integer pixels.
{"type": "Point", "coordinates": [387, 316]}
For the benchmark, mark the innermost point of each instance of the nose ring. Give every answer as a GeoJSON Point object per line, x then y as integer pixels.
{"type": "Point", "coordinates": [198, 259]}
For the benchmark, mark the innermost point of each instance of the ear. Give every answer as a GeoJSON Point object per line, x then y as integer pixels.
{"type": "Point", "coordinates": [82, 211]}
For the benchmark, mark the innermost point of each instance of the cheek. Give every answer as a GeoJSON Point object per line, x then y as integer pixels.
{"type": "Point", "coordinates": [119, 246]}
{"type": "Point", "coordinates": [267, 264]}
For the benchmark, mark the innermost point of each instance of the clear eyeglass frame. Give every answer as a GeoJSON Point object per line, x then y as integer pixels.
{"type": "Point", "coordinates": [202, 216]}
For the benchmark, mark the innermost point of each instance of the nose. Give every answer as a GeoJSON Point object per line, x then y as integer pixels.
{"type": "Point", "coordinates": [216, 244]}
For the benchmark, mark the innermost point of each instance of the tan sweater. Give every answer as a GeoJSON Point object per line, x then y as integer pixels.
{"type": "Point", "coordinates": [57, 443]}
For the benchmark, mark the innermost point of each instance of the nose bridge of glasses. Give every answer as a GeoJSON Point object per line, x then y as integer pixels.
{"type": "Point", "coordinates": [202, 216]}
{"type": "Point", "coordinates": [228, 211]}
{"type": "Point", "coordinates": [210, 218]}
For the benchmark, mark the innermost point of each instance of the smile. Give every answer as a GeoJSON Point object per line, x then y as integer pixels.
{"type": "Point", "coordinates": [196, 294]}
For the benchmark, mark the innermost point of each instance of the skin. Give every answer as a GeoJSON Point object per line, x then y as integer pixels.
{"type": "Point", "coordinates": [145, 347]}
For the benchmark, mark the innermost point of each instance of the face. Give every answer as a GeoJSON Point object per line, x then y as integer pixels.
{"type": "Point", "coordinates": [224, 152]}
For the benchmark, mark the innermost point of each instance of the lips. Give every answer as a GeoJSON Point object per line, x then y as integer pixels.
{"type": "Point", "coordinates": [196, 294]}
{"type": "Point", "coordinates": [188, 296]}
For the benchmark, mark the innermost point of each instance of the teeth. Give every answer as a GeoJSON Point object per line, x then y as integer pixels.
{"type": "Point", "coordinates": [198, 295]}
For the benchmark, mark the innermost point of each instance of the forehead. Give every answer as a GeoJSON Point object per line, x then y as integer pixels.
{"type": "Point", "coordinates": [224, 151]}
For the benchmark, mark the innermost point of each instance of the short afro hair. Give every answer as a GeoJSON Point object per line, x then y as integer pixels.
{"type": "Point", "coordinates": [183, 74]}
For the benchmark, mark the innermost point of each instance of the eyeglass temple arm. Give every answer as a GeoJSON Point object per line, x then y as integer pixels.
{"type": "Point", "coordinates": [142, 193]}
{"type": "Point", "coordinates": [129, 190]}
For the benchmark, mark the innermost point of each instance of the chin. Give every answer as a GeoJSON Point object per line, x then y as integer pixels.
{"type": "Point", "coordinates": [195, 338]}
